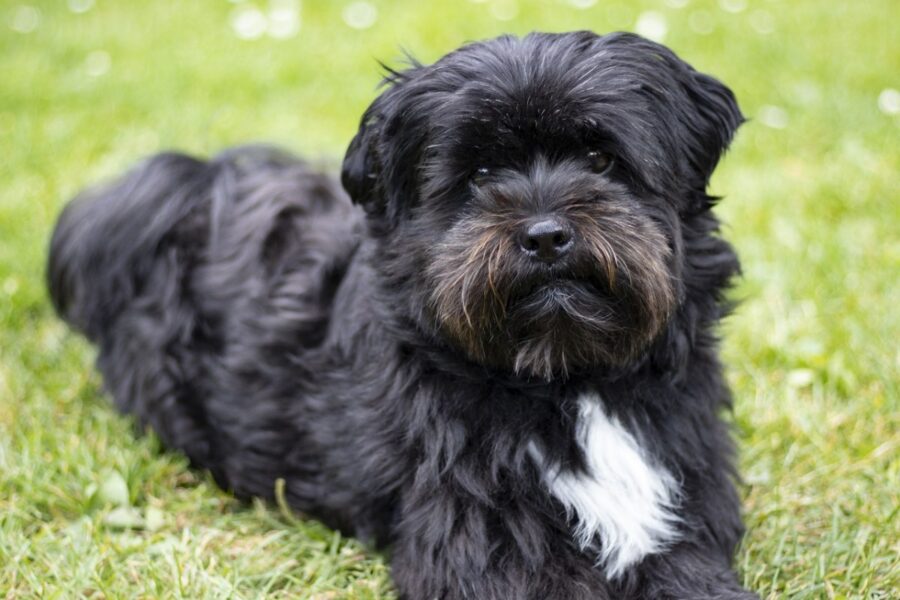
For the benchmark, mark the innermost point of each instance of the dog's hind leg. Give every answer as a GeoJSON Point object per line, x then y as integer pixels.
{"type": "Point", "coordinates": [119, 259]}
{"type": "Point", "coordinates": [201, 282]}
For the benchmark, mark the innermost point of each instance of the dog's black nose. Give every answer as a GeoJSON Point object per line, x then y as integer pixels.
{"type": "Point", "coordinates": [547, 240]}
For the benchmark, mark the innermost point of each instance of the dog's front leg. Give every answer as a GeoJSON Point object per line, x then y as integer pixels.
{"type": "Point", "coordinates": [686, 572]}
{"type": "Point", "coordinates": [452, 544]}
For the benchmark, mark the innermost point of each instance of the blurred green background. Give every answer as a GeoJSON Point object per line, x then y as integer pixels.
{"type": "Point", "coordinates": [811, 185]}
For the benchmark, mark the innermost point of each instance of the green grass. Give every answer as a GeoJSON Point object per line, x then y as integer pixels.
{"type": "Point", "coordinates": [813, 206]}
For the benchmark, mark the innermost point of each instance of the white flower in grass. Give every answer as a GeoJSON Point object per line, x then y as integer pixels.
{"type": "Point", "coordinates": [762, 21]}
{"type": "Point", "coordinates": [652, 25]}
{"type": "Point", "coordinates": [733, 6]}
{"type": "Point", "coordinates": [25, 19]}
{"type": "Point", "coordinates": [248, 22]}
{"type": "Point", "coordinates": [773, 116]}
{"type": "Point", "coordinates": [889, 101]}
{"type": "Point", "coordinates": [360, 15]}
{"type": "Point", "coordinates": [284, 18]}
{"type": "Point", "coordinates": [701, 22]}
{"type": "Point", "coordinates": [97, 63]}
{"type": "Point", "coordinates": [504, 10]}
{"type": "Point", "coordinates": [80, 6]}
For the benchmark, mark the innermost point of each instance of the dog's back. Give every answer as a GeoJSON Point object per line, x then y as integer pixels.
{"type": "Point", "coordinates": [182, 258]}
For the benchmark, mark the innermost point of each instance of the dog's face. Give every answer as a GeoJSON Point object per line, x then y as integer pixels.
{"type": "Point", "coordinates": [529, 195]}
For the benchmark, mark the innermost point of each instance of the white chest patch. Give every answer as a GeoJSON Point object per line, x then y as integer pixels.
{"type": "Point", "coordinates": [622, 506]}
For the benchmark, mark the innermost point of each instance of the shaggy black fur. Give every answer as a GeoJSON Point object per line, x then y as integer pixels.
{"type": "Point", "coordinates": [393, 367]}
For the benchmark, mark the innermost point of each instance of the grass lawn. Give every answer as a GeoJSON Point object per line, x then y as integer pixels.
{"type": "Point", "coordinates": [812, 188]}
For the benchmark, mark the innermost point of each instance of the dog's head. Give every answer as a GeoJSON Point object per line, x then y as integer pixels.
{"type": "Point", "coordinates": [528, 195]}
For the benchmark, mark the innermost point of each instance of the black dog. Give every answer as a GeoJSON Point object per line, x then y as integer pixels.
{"type": "Point", "coordinates": [504, 367]}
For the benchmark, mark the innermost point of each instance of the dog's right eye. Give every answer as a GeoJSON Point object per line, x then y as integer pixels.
{"type": "Point", "coordinates": [601, 162]}
{"type": "Point", "coordinates": [480, 175]}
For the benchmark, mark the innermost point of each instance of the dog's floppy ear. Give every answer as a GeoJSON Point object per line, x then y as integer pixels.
{"type": "Point", "coordinates": [707, 117]}
{"type": "Point", "coordinates": [692, 116]}
{"type": "Point", "coordinates": [714, 124]}
{"type": "Point", "coordinates": [380, 167]}
{"type": "Point", "coordinates": [359, 173]}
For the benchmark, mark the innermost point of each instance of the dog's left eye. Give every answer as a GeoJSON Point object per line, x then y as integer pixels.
{"type": "Point", "coordinates": [480, 175]}
{"type": "Point", "coordinates": [600, 162]}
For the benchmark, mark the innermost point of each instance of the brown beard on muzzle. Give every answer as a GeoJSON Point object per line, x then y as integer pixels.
{"type": "Point", "coordinates": [601, 306]}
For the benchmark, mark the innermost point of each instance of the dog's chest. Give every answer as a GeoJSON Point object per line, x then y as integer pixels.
{"type": "Point", "coordinates": [622, 505]}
